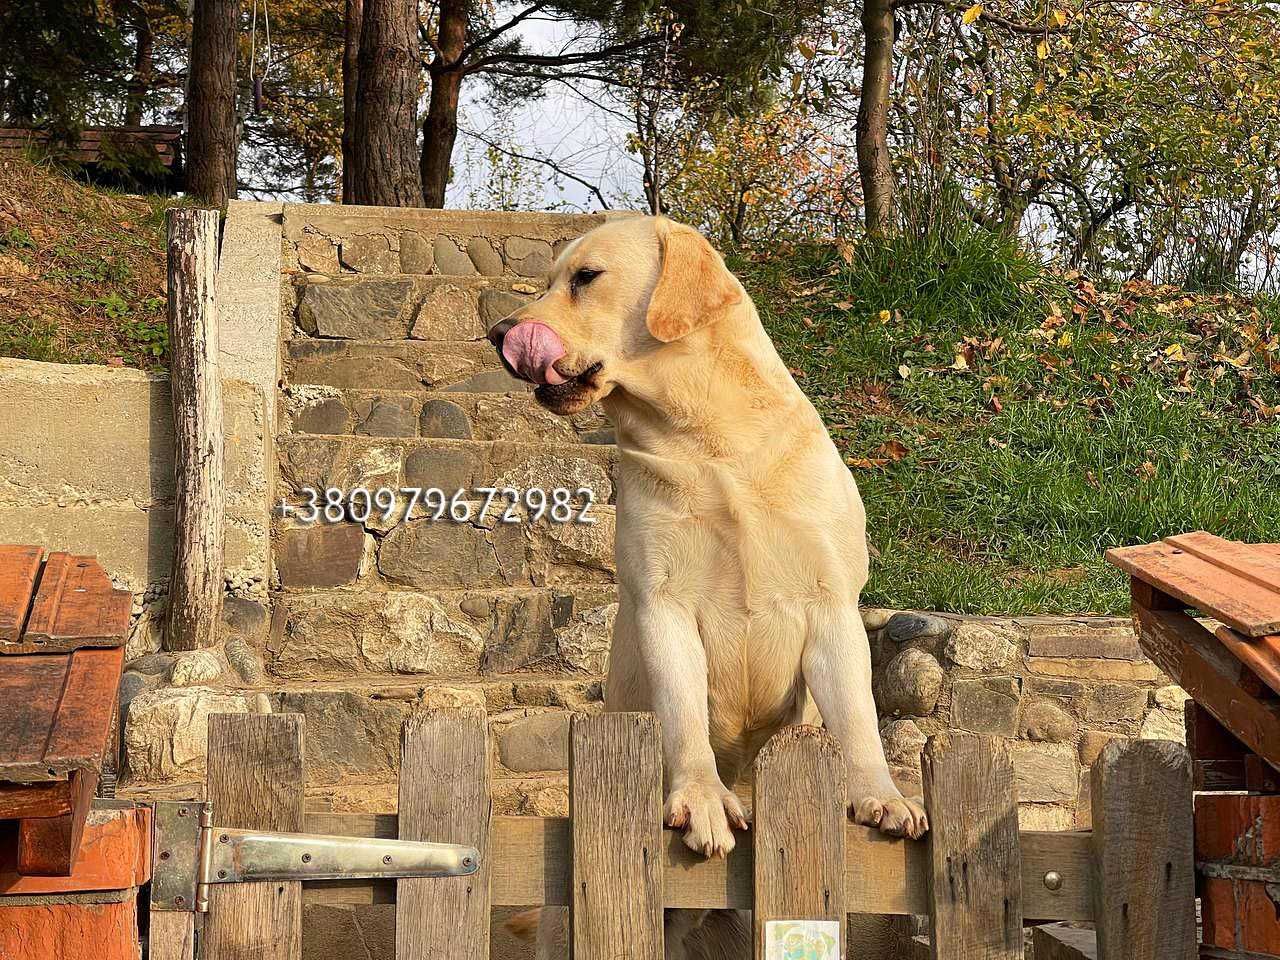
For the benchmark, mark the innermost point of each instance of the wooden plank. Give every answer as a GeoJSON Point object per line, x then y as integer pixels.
{"type": "Point", "coordinates": [195, 593]}
{"type": "Point", "coordinates": [975, 860]}
{"type": "Point", "coordinates": [1144, 905]}
{"type": "Point", "coordinates": [1220, 593]}
{"type": "Point", "coordinates": [615, 804]}
{"type": "Point", "coordinates": [19, 566]}
{"type": "Point", "coordinates": [86, 708]}
{"type": "Point", "coordinates": [172, 935]}
{"type": "Point", "coordinates": [255, 779]}
{"type": "Point", "coordinates": [1196, 660]}
{"type": "Point", "coordinates": [1260, 654]}
{"type": "Point", "coordinates": [1063, 941]}
{"type": "Point", "coordinates": [50, 846]}
{"type": "Point", "coordinates": [882, 875]}
{"type": "Point", "coordinates": [55, 712]}
{"type": "Point", "coordinates": [49, 798]}
{"type": "Point", "coordinates": [444, 796]}
{"type": "Point", "coordinates": [75, 606]}
{"type": "Point", "coordinates": [1217, 757]}
{"type": "Point", "coordinates": [800, 813]}
{"type": "Point", "coordinates": [1238, 558]}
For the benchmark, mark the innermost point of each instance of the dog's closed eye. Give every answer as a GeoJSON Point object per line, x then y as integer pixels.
{"type": "Point", "coordinates": [582, 277]}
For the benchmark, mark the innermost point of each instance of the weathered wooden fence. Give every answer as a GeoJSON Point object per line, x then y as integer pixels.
{"type": "Point", "coordinates": [977, 876]}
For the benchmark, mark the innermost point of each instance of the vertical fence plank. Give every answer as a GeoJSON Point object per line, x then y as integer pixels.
{"type": "Point", "coordinates": [615, 805]}
{"type": "Point", "coordinates": [195, 593]}
{"type": "Point", "coordinates": [171, 935]}
{"type": "Point", "coordinates": [1144, 897]}
{"type": "Point", "coordinates": [444, 797]}
{"type": "Point", "coordinates": [255, 780]}
{"type": "Point", "coordinates": [800, 812]}
{"type": "Point", "coordinates": [975, 861]}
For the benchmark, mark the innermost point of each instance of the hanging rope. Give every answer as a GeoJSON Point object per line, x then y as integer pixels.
{"type": "Point", "coordinates": [256, 80]}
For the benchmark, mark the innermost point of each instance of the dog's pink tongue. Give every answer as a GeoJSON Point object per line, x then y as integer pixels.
{"type": "Point", "coordinates": [531, 348]}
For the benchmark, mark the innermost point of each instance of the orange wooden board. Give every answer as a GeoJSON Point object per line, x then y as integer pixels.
{"type": "Point", "coordinates": [1236, 583]}
{"type": "Point", "coordinates": [55, 712]}
{"type": "Point", "coordinates": [19, 566]}
{"type": "Point", "coordinates": [75, 606]}
{"type": "Point", "coordinates": [115, 853]}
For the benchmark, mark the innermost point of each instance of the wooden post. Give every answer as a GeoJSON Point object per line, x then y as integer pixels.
{"type": "Point", "coordinates": [444, 796]}
{"type": "Point", "coordinates": [1144, 896]}
{"type": "Point", "coordinates": [975, 861]}
{"type": "Point", "coordinates": [195, 591]}
{"type": "Point", "coordinates": [615, 809]}
{"type": "Point", "coordinates": [800, 809]}
{"type": "Point", "coordinates": [255, 779]}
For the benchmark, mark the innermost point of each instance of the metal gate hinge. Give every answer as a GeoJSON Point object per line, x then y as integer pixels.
{"type": "Point", "coordinates": [190, 853]}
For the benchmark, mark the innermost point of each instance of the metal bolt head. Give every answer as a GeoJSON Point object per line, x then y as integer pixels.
{"type": "Point", "coordinates": [224, 839]}
{"type": "Point", "coordinates": [306, 858]}
{"type": "Point", "coordinates": [387, 858]}
{"type": "Point", "coordinates": [467, 861]}
{"type": "Point", "coordinates": [182, 811]}
{"type": "Point", "coordinates": [222, 874]}
{"type": "Point", "coordinates": [179, 900]}
{"type": "Point", "coordinates": [164, 854]}
{"type": "Point", "coordinates": [1053, 880]}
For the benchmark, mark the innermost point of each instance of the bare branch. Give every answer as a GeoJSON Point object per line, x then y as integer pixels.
{"type": "Point", "coordinates": [564, 59]}
{"type": "Point", "coordinates": [496, 32]}
{"type": "Point", "coordinates": [545, 161]}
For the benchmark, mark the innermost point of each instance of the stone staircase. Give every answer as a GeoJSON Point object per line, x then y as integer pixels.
{"type": "Point", "coordinates": [388, 382]}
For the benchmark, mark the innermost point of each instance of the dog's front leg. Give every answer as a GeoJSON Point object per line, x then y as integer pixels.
{"type": "Point", "coordinates": [676, 665]}
{"type": "Point", "coordinates": [837, 670]}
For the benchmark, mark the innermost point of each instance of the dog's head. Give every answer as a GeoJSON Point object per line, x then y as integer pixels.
{"type": "Point", "coordinates": [614, 298]}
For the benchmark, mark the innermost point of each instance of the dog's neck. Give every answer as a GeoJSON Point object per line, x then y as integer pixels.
{"type": "Point", "coordinates": [721, 392]}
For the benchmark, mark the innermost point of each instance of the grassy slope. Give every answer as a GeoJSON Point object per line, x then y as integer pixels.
{"type": "Point", "coordinates": [1117, 417]}
{"type": "Point", "coordinates": [81, 270]}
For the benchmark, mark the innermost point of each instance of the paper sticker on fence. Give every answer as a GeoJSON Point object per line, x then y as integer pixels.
{"type": "Point", "coordinates": [802, 940]}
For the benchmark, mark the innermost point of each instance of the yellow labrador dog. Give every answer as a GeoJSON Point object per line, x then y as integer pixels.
{"type": "Point", "coordinates": [741, 544]}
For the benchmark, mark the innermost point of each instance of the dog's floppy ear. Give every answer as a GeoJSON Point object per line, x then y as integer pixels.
{"type": "Point", "coordinates": [694, 287]}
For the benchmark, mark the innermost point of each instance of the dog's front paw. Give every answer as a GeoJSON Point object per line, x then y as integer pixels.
{"type": "Point", "coordinates": [705, 811]}
{"type": "Point", "coordinates": [896, 816]}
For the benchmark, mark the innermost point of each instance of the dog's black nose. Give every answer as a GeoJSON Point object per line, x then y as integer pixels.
{"type": "Point", "coordinates": [499, 330]}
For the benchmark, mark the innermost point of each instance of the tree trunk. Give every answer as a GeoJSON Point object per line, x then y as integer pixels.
{"type": "Point", "coordinates": [143, 69]}
{"type": "Point", "coordinates": [195, 591]}
{"type": "Point", "coordinates": [874, 167]}
{"type": "Point", "coordinates": [350, 88]}
{"type": "Point", "coordinates": [440, 128]}
{"type": "Point", "coordinates": [211, 103]}
{"type": "Point", "coordinates": [385, 171]}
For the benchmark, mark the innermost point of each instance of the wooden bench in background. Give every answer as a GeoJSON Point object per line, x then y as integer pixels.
{"type": "Point", "coordinates": [1229, 663]}
{"type": "Point", "coordinates": [164, 141]}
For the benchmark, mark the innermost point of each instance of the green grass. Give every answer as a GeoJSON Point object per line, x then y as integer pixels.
{"type": "Point", "coordinates": [1078, 419]}
{"type": "Point", "coordinates": [89, 280]}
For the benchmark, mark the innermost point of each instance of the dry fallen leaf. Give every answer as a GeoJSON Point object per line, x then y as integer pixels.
{"type": "Point", "coordinates": [904, 371]}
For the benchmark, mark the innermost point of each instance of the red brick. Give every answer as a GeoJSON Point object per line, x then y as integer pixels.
{"type": "Point", "coordinates": [115, 854]}
{"type": "Point", "coordinates": [71, 931]}
{"type": "Point", "coordinates": [1238, 828]}
{"type": "Point", "coordinates": [1239, 915]}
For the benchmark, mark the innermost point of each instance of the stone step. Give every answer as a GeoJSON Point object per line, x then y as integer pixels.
{"type": "Point", "coordinates": [326, 239]}
{"type": "Point", "coordinates": [346, 463]}
{"type": "Point", "coordinates": [405, 307]}
{"type": "Point", "coordinates": [429, 554]}
{"type": "Point", "coordinates": [438, 636]}
{"type": "Point", "coordinates": [466, 366]}
{"type": "Point", "coordinates": [431, 414]}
